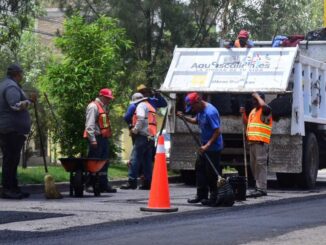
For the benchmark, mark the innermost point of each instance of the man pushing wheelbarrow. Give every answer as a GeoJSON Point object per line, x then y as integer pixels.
{"type": "Point", "coordinates": [97, 131]}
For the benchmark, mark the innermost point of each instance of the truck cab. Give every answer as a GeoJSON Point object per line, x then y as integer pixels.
{"type": "Point", "coordinates": [294, 86]}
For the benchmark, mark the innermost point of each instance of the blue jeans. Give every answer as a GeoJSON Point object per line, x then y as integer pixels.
{"type": "Point", "coordinates": [141, 155]}
{"type": "Point", "coordinates": [102, 152]}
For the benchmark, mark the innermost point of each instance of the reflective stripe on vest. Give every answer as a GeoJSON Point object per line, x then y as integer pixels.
{"type": "Point", "coordinates": [258, 130]}
{"type": "Point", "coordinates": [151, 117]}
{"type": "Point", "coordinates": [103, 122]}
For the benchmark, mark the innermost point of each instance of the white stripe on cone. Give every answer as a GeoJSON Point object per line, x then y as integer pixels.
{"type": "Point", "coordinates": [160, 149]}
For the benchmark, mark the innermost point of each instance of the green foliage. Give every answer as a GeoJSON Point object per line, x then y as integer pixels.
{"type": "Point", "coordinates": [266, 18]}
{"type": "Point", "coordinates": [35, 174]}
{"type": "Point", "coordinates": [156, 27]}
{"type": "Point", "coordinates": [92, 59]}
{"type": "Point", "coordinates": [15, 17]}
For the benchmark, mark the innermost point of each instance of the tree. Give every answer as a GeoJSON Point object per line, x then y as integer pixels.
{"type": "Point", "coordinates": [266, 18]}
{"type": "Point", "coordinates": [156, 27]}
{"type": "Point", "coordinates": [92, 59]}
{"type": "Point", "coordinates": [15, 17]}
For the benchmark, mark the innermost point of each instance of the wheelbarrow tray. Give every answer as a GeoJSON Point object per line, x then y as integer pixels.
{"type": "Point", "coordinates": [92, 165]}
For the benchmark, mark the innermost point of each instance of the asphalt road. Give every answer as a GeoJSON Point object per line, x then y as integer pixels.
{"type": "Point", "coordinates": [300, 222]}
{"type": "Point", "coordinates": [285, 216]}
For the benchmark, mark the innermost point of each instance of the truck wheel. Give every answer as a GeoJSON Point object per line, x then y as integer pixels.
{"type": "Point", "coordinates": [188, 177]}
{"type": "Point", "coordinates": [310, 164]}
{"type": "Point", "coordinates": [286, 180]}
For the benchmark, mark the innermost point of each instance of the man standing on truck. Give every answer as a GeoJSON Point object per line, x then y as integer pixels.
{"type": "Point", "coordinates": [242, 41]}
{"type": "Point", "coordinates": [97, 131]}
{"type": "Point", "coordinates": [208, 119]}
{"type": "Point", "coordinates": [259, 130]}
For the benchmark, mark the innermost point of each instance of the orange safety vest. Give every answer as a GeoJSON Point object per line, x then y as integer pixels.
{"type": "Point", "coordinates": [237, 44]}
{"type": "Point", "coordinates": [103, 122]}
{"type": "Point", "coordinates": [152, 122]}
{"type": "Point", "coordinates": [258, 130]}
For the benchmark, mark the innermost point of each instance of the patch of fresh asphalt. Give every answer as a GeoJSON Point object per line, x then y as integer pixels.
{"type": "Point", "coordinates": [124, 207]}
{"type": "Point", "coordinates": [210, 226]}
{"type": "Point", "coordinates": [15, 216]}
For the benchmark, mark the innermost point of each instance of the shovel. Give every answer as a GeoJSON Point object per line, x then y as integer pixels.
{"type": "Point", "coordinates": [51, 191]}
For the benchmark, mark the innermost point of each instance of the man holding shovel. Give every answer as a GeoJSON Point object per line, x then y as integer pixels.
{"type": "Point", "coordinates": [208, 119]}
{"type": "Point", "coordinates": [15, 123]}
{"type": "Point", "coordinates": [259, 130]}
{"type": "Point", "coordinates": [97, 131]}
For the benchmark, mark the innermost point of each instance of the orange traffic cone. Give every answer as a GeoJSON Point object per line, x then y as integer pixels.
{"type": "Point", "coordinates": [159, 195]}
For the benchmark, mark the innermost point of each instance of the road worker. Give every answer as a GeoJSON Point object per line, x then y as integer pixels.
{"type": "Point", "coordinates": [259, 130]}
{"type": "Point", "coordinates": [98, 131]}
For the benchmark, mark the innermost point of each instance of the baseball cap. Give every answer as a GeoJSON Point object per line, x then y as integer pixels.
{"type": "Point", "coordinates": [14, 68]}
{"type": "Point", "coordinates": [243, 34]}
{"type": "Point", "coordinates": [106, 93]}
{"type": "Point", "coordinates": [191, 99]}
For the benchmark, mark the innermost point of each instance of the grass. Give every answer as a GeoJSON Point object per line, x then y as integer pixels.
{"type": "Point", "coordinates": [35, 174]}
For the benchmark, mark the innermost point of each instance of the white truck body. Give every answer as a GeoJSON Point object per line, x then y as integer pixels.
{"type": "Point", "coordinates": [219, 72]}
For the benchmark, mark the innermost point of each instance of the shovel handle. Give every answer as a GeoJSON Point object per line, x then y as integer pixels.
{"type": "Point", "coordinates": [199, 144]}
{"type": "Point", "coordinates": [40, 135]}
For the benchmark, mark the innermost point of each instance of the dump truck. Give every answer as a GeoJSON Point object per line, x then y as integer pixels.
{"type": "Point", "coordinates": [294, 83]}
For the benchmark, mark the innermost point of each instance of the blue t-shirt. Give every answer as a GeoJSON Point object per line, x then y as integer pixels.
{"type": "Point", "coordinates": [208, 121]}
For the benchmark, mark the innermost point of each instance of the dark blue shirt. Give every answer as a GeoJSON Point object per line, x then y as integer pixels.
{"type": "Point", "coordinates": [11, 118]}
{"type": "Point", "coordinates": [156, 102]}
{"type": "Point", "coordinates": [208, 121]}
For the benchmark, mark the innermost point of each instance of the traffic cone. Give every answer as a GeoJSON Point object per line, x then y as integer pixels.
{"type": "Point", "coordinates": [159, 195]}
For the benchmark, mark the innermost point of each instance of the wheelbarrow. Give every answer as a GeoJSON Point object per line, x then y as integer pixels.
{"type": "Point", "coordinates": [79, 169]}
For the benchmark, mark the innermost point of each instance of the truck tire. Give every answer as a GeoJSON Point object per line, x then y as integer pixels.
{"type": "Point", "coordinates": [286, 180]}
{"type": "Point", "coordinates": [188, 177]}
{"type": "Point", "coordinates": [310, 163]}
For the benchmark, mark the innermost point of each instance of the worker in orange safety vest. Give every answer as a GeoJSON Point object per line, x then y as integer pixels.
{"type": "Point", "coordinates": [242, 41]}
{"type": "Point", "coordinates": [144, 128]}
{"type": "Point", "coordinates": [259, 129]}
{"type": "Point", "coordinates": [97, 131]}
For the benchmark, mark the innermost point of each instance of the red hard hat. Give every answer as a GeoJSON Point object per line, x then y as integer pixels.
{"type": "Point", "coordinates": [106, 93]}
{"type": "Point", "coordinates": [243, 34]}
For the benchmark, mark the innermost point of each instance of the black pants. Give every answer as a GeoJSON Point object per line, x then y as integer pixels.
{"type": "Point", "coordinates": [11, 145]}
{"type": "Point", "coordinates": [206, 179]}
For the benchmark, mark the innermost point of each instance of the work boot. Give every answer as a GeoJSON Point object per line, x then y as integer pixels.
{"type": "Point", "coordinates": [109, 189]}
{"type": "Point", "coordinates": [196, 199]}
{"type": "Point", "coordinates": [23, 193]}
{"type": "Point", "coordinates": [202, 193]}
{"type": "Point", "coordinates": [211, 201]}
{"type": "Point", "coordinates": [146, 185]}
{"type": "Point", "coordinates": [131, 184]}
{"type": "Point", "coordinates": [8, 194]}
{"type": "Point", "coordinates": [257, 193]}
